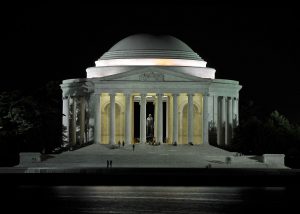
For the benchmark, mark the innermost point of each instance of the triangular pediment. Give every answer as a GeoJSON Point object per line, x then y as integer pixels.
{"type": "Point", "coordinates": [155, 74]}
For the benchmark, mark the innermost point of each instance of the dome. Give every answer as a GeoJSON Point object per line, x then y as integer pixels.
{"type": "Point", "coordinates": [144, 50]}
{"type": "Point", "coordinates": [145, 46]}
{"type": "Point", "coordinates": [150, 42]}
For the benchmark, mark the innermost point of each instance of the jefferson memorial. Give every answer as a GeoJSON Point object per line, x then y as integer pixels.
{"type": "Point", "coordinates": [150, 88]}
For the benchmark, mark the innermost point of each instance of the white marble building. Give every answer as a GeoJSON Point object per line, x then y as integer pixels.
{"type": "Point", "coordinates": [189, 104]}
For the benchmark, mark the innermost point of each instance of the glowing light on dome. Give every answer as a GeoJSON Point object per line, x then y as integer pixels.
{"type": "Point", "coordinates": [150, 62]}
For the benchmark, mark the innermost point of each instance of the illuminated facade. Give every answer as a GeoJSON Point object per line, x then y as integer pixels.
{"type": "Point", "coordinates": [145, 74]}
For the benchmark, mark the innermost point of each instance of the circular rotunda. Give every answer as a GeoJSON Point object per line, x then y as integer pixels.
{"type": "Point", "coordinates": [152, 78]}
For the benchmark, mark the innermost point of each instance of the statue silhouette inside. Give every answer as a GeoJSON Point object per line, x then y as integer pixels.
{"type": "Point", "coordinates": [150, 128]}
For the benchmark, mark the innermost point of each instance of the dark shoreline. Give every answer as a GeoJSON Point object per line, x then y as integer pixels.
{"type": "Point", "coordinates": [152, 177]}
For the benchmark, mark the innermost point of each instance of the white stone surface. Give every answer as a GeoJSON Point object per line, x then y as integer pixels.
{"type": "Point", "coordinates": [144, 155]}
{"type": "Point", "coordinates": [97, 113]}
{"type": "Point", "coordinates": [159, 118]}
{"type": "Point", "coordinates": [190, 118]}
{"type": "Point", "coordinates": [30, 157]}
{"type": "Point", "coordinates": [127, 119]}
{"type": "Point", "coordinates": [175, 118]}
{"type": "Point", "coordinates": [274, 160]}
{"type": "Point", "coordinates": [143, 118]}
{"type": "Point", "coordinates": [112, 119]}
{"type": "Point", "coordinates": [65, 119]}
{"type": "Point", "coordinates": [205, 118]}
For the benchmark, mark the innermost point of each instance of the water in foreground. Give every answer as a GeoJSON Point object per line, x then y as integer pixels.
{"type": "Point", "coordinates": [149, 199]}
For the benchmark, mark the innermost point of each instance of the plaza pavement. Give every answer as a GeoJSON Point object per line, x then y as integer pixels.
{"type": "Point", "coordinates": [147, 156]}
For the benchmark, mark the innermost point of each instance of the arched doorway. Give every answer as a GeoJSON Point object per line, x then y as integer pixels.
{"type": "Point", "coordinates": [183, 128]}
{"type": "Point", "coordinates": [105, 123]}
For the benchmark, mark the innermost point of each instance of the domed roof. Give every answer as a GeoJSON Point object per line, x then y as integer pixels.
{"type": "Point", "coordinates": [143, 50]}
{"type": "Point", "coordinates": [150, 46]}
{"type": "Point", "coordinates": [150, 42]}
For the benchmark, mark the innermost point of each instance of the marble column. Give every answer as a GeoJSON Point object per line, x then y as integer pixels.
{"type": "Point", "coordinates": [143, 119]}
{"type": "Point", "coordinates": [155, 117]}
{"type": "Point", "coordinates": [127, 119]}
{"type": "Point", "coordinates": [180, 126]}
{"type": "Point", "coordinates": [167, 118]}
{"type": "Point", "coordinates": [82, 119]}
{"type": "Point", "coordinates": [74, 126]}
{"type": "Point", "coordinates": [230, 120]}
{"type": "Point", "coordinates": [223, 121]}
{"type": "Point", "coordinates": [112, 119]}
{"type": "Point", "coordinates": [237, 111]}
{"type": "Point", "coordinates": [233, 112]}
{"type": "Point", "coordinates": [205, 119]}
{"type": "Point", "coordinates": [159, 118]}
{"type": "Point", "coordinates": [190, 118]}
{"type": "Point", "coordinates": [215, 117]}
{"type": "Point", "coordinates": [175, 118]}
{"type": "Point", "coordinates": [97, 116]}
{"type": "Point", "coordinates": [65, 119]}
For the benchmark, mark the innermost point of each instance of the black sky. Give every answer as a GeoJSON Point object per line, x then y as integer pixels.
{"type": "Point", "coordinates": [256, 45]}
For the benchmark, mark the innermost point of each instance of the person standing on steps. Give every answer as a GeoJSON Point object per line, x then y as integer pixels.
{"type": "Point", "coordinates": [133, 145]}
{"type": "Point", "coordinates": [107, 163]}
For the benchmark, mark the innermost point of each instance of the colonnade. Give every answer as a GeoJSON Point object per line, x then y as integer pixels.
{"type": "Point", "coordinates": [222, 111]}
{"type": "Point", "coordinates": [74, 118]}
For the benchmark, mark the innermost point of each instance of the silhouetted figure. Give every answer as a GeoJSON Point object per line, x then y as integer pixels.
{"type": "Point", "coordinates": [208, 166]}
{"type": "Point", "coordinates": [149, 126]}
{"type": "Point", "coordinates": [133, 145]}
{"type": "Point", "coordinates": [123, 143]}
{"type": "Point", "coordinates": [107, 163]}
{"type": "Point", "coordinates": [110, 163]}
{"type": "Point", "coordinates": [119, 143]}
{"type": "Point", "coordinates": [228, 160]}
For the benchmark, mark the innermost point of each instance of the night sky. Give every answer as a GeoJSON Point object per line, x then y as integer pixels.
{"type": "Point", "coordinates": [256, 45]}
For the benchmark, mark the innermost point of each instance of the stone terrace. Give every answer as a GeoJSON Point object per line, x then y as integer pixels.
{"type": "Point", "coordinates": [147, 156]}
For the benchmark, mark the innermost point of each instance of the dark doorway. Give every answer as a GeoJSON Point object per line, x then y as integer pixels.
{"type": "Point", "coordinates": [136, 120]}
{"type": "Point", "coordinates": [150, 109]}
{"type": "Point", "coordinates": [150, 129]}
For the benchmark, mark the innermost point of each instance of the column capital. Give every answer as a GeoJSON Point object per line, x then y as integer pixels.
{"type": "Point", "coordinates": [190, 94]}
{"type": "Point", "coordinates": [159, 94]}
{"type": "Point", "coordinates": [175, 94]}
{"type": "Point", "coordinates": [112, 94]}
{"type": "Point", "coordinates": [143, 95]}
{"type": "Point", "coordinates": [127, 94]}
{"type": "Point", "coordinates": [205, 94]}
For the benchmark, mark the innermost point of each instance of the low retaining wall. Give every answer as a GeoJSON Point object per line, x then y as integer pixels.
{"type": "Point", "coordinates": [274, 160]}
{"type": "Point", "coordinates": [30, 157]}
